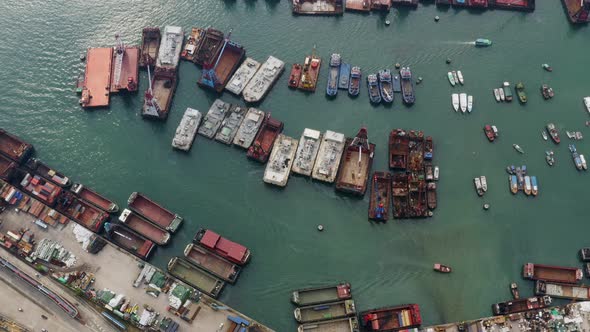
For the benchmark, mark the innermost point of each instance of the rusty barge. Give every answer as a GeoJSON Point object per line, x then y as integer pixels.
{"type": "Point", "coordinates": [356, 164]}
{"type": "Point", "coordinates": [154, 212]}
{"type": "Point", "coordinates": [95, 198]}
{"type": "Point", "coordinates": [14, 148]}
{"type": "Point", "coordinates": [38, 187]}
{"type": "Point", "coordinates": [143, 227]}
{"type": "Point", "coordinates": [398, 149]}
{"type": "Point", "coordinates": [217, 73]}
{"type": "Point", "coordinates": [129, 240]}
{"type": "Point", "coordinates": [221, 246]}
{"type": "Point", "coordinates": [380, 196]}
{"type": "Point", "coordinates": [520, 305]}
{"type": "Point", "coordinates": [150, 44]}
{"type": "Point", "coordinates": [209, 47]}
{"type": "Point", "coordinates": [125, 67]}
{"type": "Point", "coordinates": [264, 141]}
{"type": "Point", "coordinates": [7, 168]}
{"type": "Point", "coordinates": [569, 275]}
{"type": "Point", "coordinates": [212, 263]}
{"type": "Point", "coordinates": [399, 188]}
{"type": "Point", "coordinates": [578, 11]}
{"type": "Point", "coordinates": [81, 212]}
{"type": "Point", "coordinates": [96, 86]}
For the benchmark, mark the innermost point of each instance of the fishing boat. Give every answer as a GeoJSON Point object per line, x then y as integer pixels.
{"type": "Point", "coordinates": [325, 311]}
{"type": "Point", "coordinates": [242, 76]}
{"type": "Point", "coordinates": [249, 128]}
{"type": "Point", "coordinates": [553, 133]}
{"type": "Point", "coordinates": [547, 67]}
{"type": "Point", "coordinates": [431, 198]}
{"type": "Point", "coordinates": [527, 185]}
{"type": "Point", "coordinates": [482, 42]}
{"type": "Point", "coordinates": [501, 93]}
{"type": "Point", "coordinates": [265, 139]}
{"type": "Point", "coordinates": [441, 268]}
{"type": "Point", "coordinates": [451, 78]}
{"type": "Point", "coordinates": [355, 81]}
{"type": "Point", "coordinates": [385, 88]}
{"type": "Point", "coordinates": [195, 277]}
{"type": "Point", "coordinates": [513, 183]}
{"type": "Point", "coordinates": [463, 102]}
{"type": "Point", "coordinates": [307, 151]}
{"type": "Point", "coordinates": [373, 86]}
{"type": "Point", "coordinates": [478, 187]}
{"type": "Point", "coordinates": [517, 148]}
{"type": "Point", "coordinates": [349, 324]}
{"type": "Point", "coordinates": [520, 92]}
{"type": "Point", "coordinates": [295, 76]}
{"type": "Point", "coordinates": [520, 305]}
{"type": "Point", "coordinates": [344, 76]}
{"type": "Point", "coordinates": [397, 84]}
{"type": "Point", "coordinates": [514, 291]}
{"type": "Point", "coordinates": [401, 317]}
{"type": "Point", "coordinates": [129, 240]}
{"type": "Point", "coordinates": [333, 75]}
{"type": "Point", "coordinates": [380, 196]}
{"type": "Point", "coordinates": [587, 103]}
{"type": "Point", "coordinates": [576, 157]}
{"type": "Point", "coordinates": [497, 94]}
{"type": "Point", "coordinates": [143, 227]}
{"type": "Point", "coordinates": [324, 294]}
{"type": "Point", "coordinates": [214, 118]}
{"type": "Point", "coordinates": [546, 92]}
{"type": "Point", "coordinates": [544, 134]}
{"type": "Point", "coordinates": [310, 72]}
{"type": "Point", "coordinates": [221, 246]}
{"type": "Point", "coordinates": [187, 129]}
{"type": "Point", "coordinates": [281, 158]}
{"type": "Point", "coordinates": [94, 198]}
{"type": "Point", "coordinates": [436, 173]}
{"type": "Point", "coordinates": [549, 157]}
{"type": "Point", "coordinates": [455, 101]}
{"type": "Point", "coordinates": [455, 76]}
{"type": "Point", "coordinates": [460, 77]}
{"type": "Point", "coordinates": [38, 167]}
{"type": "Point", "coordinates": [329, 156]}
{"type": "Point", "coordinates": [484, 183]}
{"type": "Point", "coordinates": [263, 80]}
{"type": "Point", "coordinates": [356, 166]}
{"type": "Point", "coordinates": [469, 103]}
{"type": "Point", "coordinates": [154, 212]}
{"type": "Point", "coordinates": [408, 94]}
{"type": "Point", "coordinates": [212, 263]}
{"type": "Point", "coordinates": [507, 91]}
{"type": "Point", "coordinates": [489, 133]}
{"type": "Point", "coordinates": [569, 275]}
{"type": "Point", "coordinates": [230, 125]}
{"type": "Point", "coordinates": [535, 187]}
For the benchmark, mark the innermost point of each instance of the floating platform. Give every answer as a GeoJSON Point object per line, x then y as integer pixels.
{"type": "Point", "coordinates": [522, 5]}
{"type": "Point", "coordinates": [358, 5]}
{"type": "Point", "coordinates": [356, 164]}
{"type": "Point", "coordinates": [578, 11]}
{"type": "Point", "coordinates": [570, 275]}
{"type": "Point", "coordinates": [214, 264]}
{"type": "Point", "coordinates": [97, 77]}
{"type": "Point", "coordinates": [242, 76]}
{"type": "Point", "coordinates": [95, 198]}
{"type": "Point", "coordinates": [318, 7]}
{"type": "Point", "coordinates": [125, 72]}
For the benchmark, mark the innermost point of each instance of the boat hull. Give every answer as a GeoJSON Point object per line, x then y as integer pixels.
{"type": "Point", "coordinates": [380, 196]}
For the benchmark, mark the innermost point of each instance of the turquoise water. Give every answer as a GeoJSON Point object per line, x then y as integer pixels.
{"type": "Point", "coordinates": [116, 152]}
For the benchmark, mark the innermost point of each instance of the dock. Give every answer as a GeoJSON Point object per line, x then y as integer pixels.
{"type": "Point", "coordinates": [578, 11]}
{"type": "Point", "coordinates": [318, 7]}
{"type": "Point", "coordinates": [358, 5]}
{"type": "Point", "coordinates": [97, 77]}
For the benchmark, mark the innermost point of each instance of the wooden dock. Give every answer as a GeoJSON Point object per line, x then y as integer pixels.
{"type": "Point", "coordinates": [97, 77]}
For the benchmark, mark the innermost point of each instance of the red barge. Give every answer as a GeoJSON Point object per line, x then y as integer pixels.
{"type": "Point", "coordinates": [569, 275]}
{"type": "Point", "coordinates": [392, 318]}
{"type": "Point", "coordinates": [94, 198]}
{"type": "Point", "coordinates": [125, 68]}
{"type": "Point", "coordinates": [96, 86]}
{"type": "Point", "coordinates": [154, 212]}
{"type": "Point", "coordinates": [143, 227]}
{"type": "Point", "coordinates": [214, 264]}
{"type": "Point", "coordinates": [38, 167]}
{"type": "Point", "coordinates": [356, 164]}
{"type": "Point", "coordinates": [38, 187]}
{"type": "Point", "coordinates": [14, 148]}
{"type": "Point", "coordinates": [295, 76]}
{"type": "Point", "coordinates": [7, 168]}
{"type": "Point", "coordinates": [265, 139]}
{"type": "Point", "coordinates": [380, 196]}
{"type": "Point", "coordinates": [578, 11]}
{"type": "Point", "coordinates": [398, 149]}
{"type": "Point", "coordinates": [217, 73]}
{"type": "Point", "coordinates": [399, 186]}
{"type": "Point", "coordinates": [221, 246]}
{"type": "Point", "coordinates": [129, 240]}
{"type": "Point", "coordinates": [520, 305]}
{"type": "Point", "coordinates": [150, 44]}
{"type": "Point", "coordinates": [81, 212]}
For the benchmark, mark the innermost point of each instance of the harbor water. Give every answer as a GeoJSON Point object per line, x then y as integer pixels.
{"type": "Point", "coordinates": [116, 152]}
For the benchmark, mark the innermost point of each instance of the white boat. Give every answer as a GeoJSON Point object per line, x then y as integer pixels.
{"type": "Point", "coordinates": [484, 183]}
{"type": "Point", "coordinates": [455, 98]}
{"type": "Point", "coordinates": [463, 102]}
{"type": "Point", "coordinates": [307, 151]}
{"type": "Point", "coordinates": [279, 163]}
{"type": "Point", "coordinates": [469, 103]}
{"type": "Point", "coordinates": [249, 128]}
{"type": "Point", "coordinates": [263, 80]}
{"type": "Point", "coordinates": [583, 160]}
{"type": "Point", "coordinates": [460, 76]}
{"type": "Point", "coordinates": [242, 76]}
{"type": "Point", "coordinates": [517, 148]}
{"type": "Point", "coordinates": [214, 118]}
{"type": "Point", "coordinates": [501, 92]}
{"type": "Point", "coordinates": [478, 188]}
{"type": "Point", "coordinates": [497, 94]}
{"type": "Point", "coordinates": [329, 155]}
{"type": "Point", "coordinates": [544, 134]}
{"type": "Point", "coordinates": [587, 103]}
{"type": "Point", "coordinates": [527, 185]}
{"type": "Point", "coordinates": [495, 130]}
{"type": "Point", "coordinates": [436, 173]}
{"type": "Point", "coordinates": [455, 77]}
{"type": "Point", "coordinates": [451, 78]}
{"type": "Point", "coordinates": [187, 130]}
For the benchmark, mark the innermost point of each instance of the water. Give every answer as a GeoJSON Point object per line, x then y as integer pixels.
{"type": "Point", "coordinates": [116, 152]}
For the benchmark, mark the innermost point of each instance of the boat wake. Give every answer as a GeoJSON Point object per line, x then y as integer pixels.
{"type": "Point", "coordinates": [456, 42]}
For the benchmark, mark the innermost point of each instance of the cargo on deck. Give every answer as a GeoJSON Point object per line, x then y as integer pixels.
{"type": "Point", "coordinates": [223, 247]}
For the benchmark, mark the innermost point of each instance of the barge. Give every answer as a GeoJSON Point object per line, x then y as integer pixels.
{"type": "Point", "coordinates": [350, 324]}
{"type": "Point", "coordinates": [38, 187]}
{"type": "Point", "coordinates": [249, 128]}
{"type": "Point", "coordinates": [229, 127]}
{"type": "Point", "coordinates": [295, 76]}
{"type": "Point", "coordinates": [158, 97]}
{"type": "Point", "coordinates": [125, 67]}
{"type": "Point", "coordinates": [143, 227]}
{"type": "Point", "coordinates": [192, 44]}
{"type": "Point", "coordinates": [264, 141]}
{"type": "Point", "coordinates": [212, 263]}
{"type": "Point", "coordinates": [319, 295]}
{"type": "Point", "coordinates": [310, 72]}
{"type": "Point", "coordinates": [568, 275]}
{"type": "Point", "coordinates": [327, 311]}
{"type": "Point", "coordinates": [399, 188]}
{"type": "Point", "coordinates": [217, 73]}
{"type": "Point", "coordinates": [209, 48]}
{"type": "Point", "coordinates": [380, 196]}
{"type": "Point", "coordinates": [417, 203]}
{"type": "Point", "coordinates": [150, 44]}
{"type": "Point", "coordinates": [521, 5]}
{"type": "Point", "coordinates": [195, 277]}
{"type": "Point", "coordinates": [564, 291]}
{"type": "Point", "coordinates": [97, 78]}
{"type": "Point", "coordinates": [221, 246]}
{"type": "Point", "coordinates": [344, 76]}
{"type": "Point", "coordinates": [358, 5]}
{"type": "Point", "coordinates": [318, 7]}
{"type": "Point", "coordinates": [152, 211]}
{"type": "Point", "coordinates": [431, 195]}
{"type": "Point", "coordinates": [399, 142]}
{"type": "Point", "coordinates": [187, 129]}
{"type": "Point", "coordinates": [95, 198]}
{"type": "Point", "coordinates": [281, 158]}
{"type": "Point", "coordinates": [333, 75]}
{"type": "Point", "coordinates": [307, 151]}
{"type": "Point", "coordinates": [263, 80]}
{"type": "Point", "coordinates": [358, 159]}
{"type": "Point", "coordinates": [7, 168]}
{"type": "Point", "coordinates": [388, 319]}
{"type": "Point", "coordinates": [129, 240]}
{"type": "Point", "coordinates": [329, 156]}
{"type": "Point", "coordinates": [411, 3]}
{"type": "Point", "coordinates": [578, 11]}
{"type": "Point", "coordinates": [520, 305]}
{"type": "Point", "coordinates": [416, 151]}
{"type": "Point", "coordinates": [39, 167]}
{"type": "Point", "coordinates": [242, 76]}
{"type": "Point", "coordinates": [14, 148]}
{"type": "Point", "coordinates": [214, 118]}
{"type": "Point", "coordinates": [81, 212]}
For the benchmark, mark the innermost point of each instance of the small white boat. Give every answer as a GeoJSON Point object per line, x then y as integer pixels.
{"type": "Point", "coordinates": [497, 94]}
{"type": "Point", "coordinates": [463, 102]}
{"type": "Point", "coordinates": [583, 160]}
{"type": "Point", "coordinates": [587, 103]}
{"type": "Point", "coordinates": [517, 148]}
{"type": "Point", "coordinates": [436, 173]}
{"type": "Point", "coordinates": [544, 134]}
{"type": "Point", "coordinates": [484, 183]}
{"type": "Point", "coordinates": [460, 77]}
{"type": "Point", "coordinates": [501, 92]}
{"type": "Point", "coordinates": [451, 78]}
{"type": "Point", "coordinates": [569, 134]}
{"type": "Point", "coordinates": [455, 98]}
{"type": "Point", "coordinates": [455, 77]}
{"type": "Point", "coordinates": [469, 103]}
{"type": "Point", "coordinates": [495, 130]}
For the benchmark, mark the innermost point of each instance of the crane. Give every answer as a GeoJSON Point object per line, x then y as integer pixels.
{"type": "Point", "coordinates": [119, 53]}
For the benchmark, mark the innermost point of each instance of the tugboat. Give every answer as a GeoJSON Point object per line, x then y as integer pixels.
{"type": "Point", "coordinates": [518, 148]}
{"type": "Point", "coordinates": [373, 86]}
{"type": "Point", "coordinates": [514, 291]}
{"type": "Point", "coordinates": [489, 133]}
{"type": "Point", "coordinates": [547, 92]}
{"type": "Point", "coordinates": [482, 42]}
{"type": "Point", "coordinates": [332, 88]}
{"type": "Point", "coordinates": [451, 78]}
{"type": "Point", "coordinates": [549, 157]}
{"type": "Point", "coordinates": [295, 76]}
{"type": "Point", "coordinates": [547, 67]}
{"type": "Point", "coordinates": [355, 81]}
{"type": "Point", "coordinates": [520, 92]}
{"type": "Point", "coordinates": [553, 133]}
{"type": "Point", "coordinates": [441, 268]}
{"type": "Point", "coordinates": [407, 86]}
{"type": "Point", "coordinates": [310, 72]}
{"type": "Point", "coordinates": [385, 87]}
{"type": "Point", "coordinates": [507, 91]}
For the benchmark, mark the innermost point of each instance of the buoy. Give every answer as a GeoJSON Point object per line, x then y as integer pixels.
{"type": "Point", "coordinates": [320, 228]}
{"type": "Point", "coordinates": [387, 22]}
{"type": "Point", "coordinates": [486, 206]}
{"type": "Point", "coordinates": [436, 18]}
{"type": "Point", "coordinates": [419, 80]}
{"type": "Point", "coordinates": [397, 65]}
{"type": "Point", "coordinates": [82, 57]}
{"type": "Point", "coordinates": [448, 61]}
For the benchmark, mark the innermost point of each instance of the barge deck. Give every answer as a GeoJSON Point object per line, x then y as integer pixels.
{"type": "Point", "coordinates": [209, 48]}
{"type": "Point", "coordinates": [568, 275]}
{"type": "Point", "coordinates": [380, 196]}
{"type": "Point", "coordinates": [564, 291]}
{"type": "Point", "coordinates": [356, 166]}
{"type": "Point", "coordinates": [578, 11]}
{"type": "Point", "coordinates": [195, 277]}
{"type": "Point", "coordinates": [129, 240]}
{"type": "Point", "coordinates": [322, 312]}
{"type": "Point", "coordinates": [520, 305]}
{"type": "Point", "coordinates": [81, 212]}
{"type": "Point", "coordinates": [143, 227]}
{"type": "Point", "coordinates": [125, 68]}
{"type": "Point", "coordinates": [318, 7]}
{"type": "Point", "coordinates": [337, 325]}
{"type": "Point", "coordinates": [97, 77]}
{"type": "Point", "coordinates": [242, 76]}
{"type": "Point", "coordinates": [318, 295]}
{"type": "Point", "coordinates": [358, 5]}
{"type": "Point", "coordinates": [281, 158]}
{"type": "Point", "coordinates": [217, 73]}
{"type": "Point", "coordinates": [150, 44]}
{"type": "Point", "coordinates": [95, 198]}
{"type": "Point", "coordinates": [221, 246]}
{"type": "Point", "coordinates": [14, 148]}
{"type": "Point", "coordinates": [307, 151]}
{"type": "Point", "coordinates": [154, 212]}
{"type": "Point", "coordinates": [264, 141]}
{"type": "Point", "coordinates": [212, 263]}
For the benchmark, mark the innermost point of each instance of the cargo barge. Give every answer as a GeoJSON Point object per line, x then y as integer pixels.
{"type": "Point", "coordinates": [564, 291]}
{"type": "Point", "coordinates": [143, 227]}
{"type": "Point", "coordinates": [578, 11]}
{"type": "Point", "coordinates": [129, 240]}
{"type": "Point", "coordinates": [280, 161]}
{"type": "Point", "coordinates": [380, 196]}
{"type": "Point", "coordinates": [358, 5]}
{"type": "Point", "coordinates": [158, 97]}
{"type": "Point", "coordinates": [242, 76]}
{"type": "Point", "coordinates": [95, 198]}
{"type": "Point", "coordinates": [307, 151]}
{"type": "Point", "coordinates": [150, 44]}
{"type": "Point", "coordinates": [14, 148]}
{"type": "Point", "coordinates": [520, 305]}
{"type": "Point", "coordinates": [38, 187]}
{"type": "Point", "coordinates": [327, 311]}
{"type": "Point", "coordinates": [310, 72]}
{"type": "Point", "coordinates": [263, 80]}
{"type": "Point", "coordinates": [319, 295]}
{"type": "Point", "coordinates": [170, 48]}
{"type": "Point", "coordinates": [569, 275]}
{"type": "Point", "coordinates": [397, 318]}
{"type": "Point", "coordinates": [192, 44]}
{"type": "Point", "coordinates": [97, 77]}
{"type": "Point", "coordinates": [358, 159]}
{"type": "Point", "coordinates": [187, 129]}
{"type": "Point", "coordinates": [318, 7]}
{"type": "Point", "coordinates": [249, 128]}
{"type": "Point", "coordinates": [329, 157]}
{"type": "Point", "coordinates": [214, 118]}
{"type": "Point", "coordinates": [217, 73]}
{"type": "Point", "coordinates": [212, 263]}
{"type": "Point", "coordinates": [264, 141]}
{"type": "Point", "coordinates": [221, 246]}
{"type": "Point", "coordinates": [209, 48]}
{"type": "Point", "coordinates": [125, 67]}
{"type": "Point", "coordinates": [521, 5]}
{"type": "Point", "coordinates": [154, 212]}
{"type": "Point", "coordinates": [417, 205]}
{"type": "Point", "coordinates": [38, 167]}
{"type": "Point", "coordinates": [231, 124]}
{"type": "Point", "coordinates": [398, 149]}
{"type": "Point", "coordinates": [350, 324]}
{"type": "Point", "coordinates": [81, 212]}
{"type": "Point", "coordinates": [399, 188]}
{"type": "Point", "coordinates": [7, 168]}
{"type": "Point", "coordinates": [431, 195]}
{"type": "Point", "coordinates": [195, 277]}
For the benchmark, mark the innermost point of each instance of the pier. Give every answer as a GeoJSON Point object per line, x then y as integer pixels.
{"type": "Point", "coordinates": [97, 77]}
